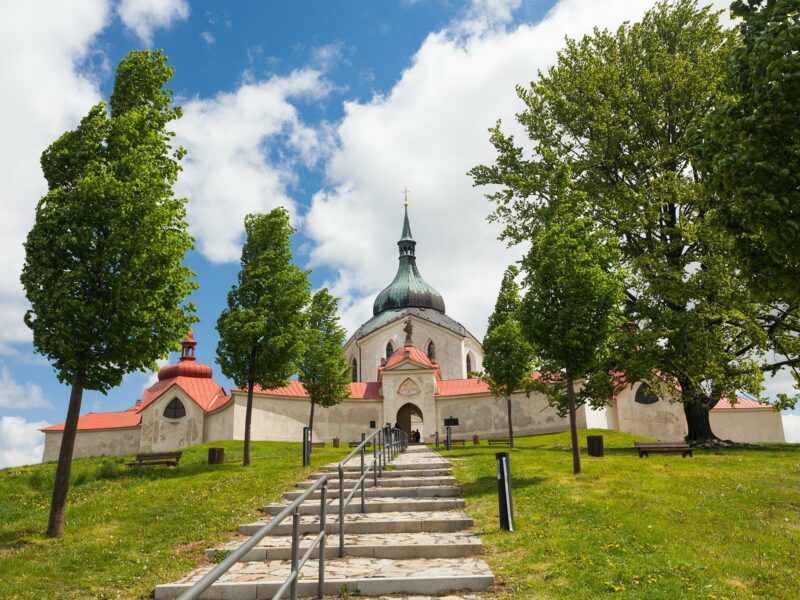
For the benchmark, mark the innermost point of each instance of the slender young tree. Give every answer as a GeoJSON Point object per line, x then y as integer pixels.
{"type": "Point", "coordinates": [323, 366]}
{"type": "Point", "coordinates": [616, 110]}
{"type": "Point", "coordinates": [573, 293]}
{"type": "Point", "coordinates": [507, 355]}
{"type": "Point", "coordinates": [104, 266]}
{"type": "Point", "coordinates": [261, 331]}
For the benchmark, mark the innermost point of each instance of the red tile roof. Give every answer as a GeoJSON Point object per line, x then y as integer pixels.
{"type": "Point", "coordinates": [409, 353]}
{"type": "Point", "coordinates": [741, 403]}
{"type": "Point", "coordinates": [109, 420]}
{"type": "Point", "coordinates": [462, 387]}
{"type": "Point", "coordinates": [359, 390]}
{"type": "Point", "coordinates": [203, 391]}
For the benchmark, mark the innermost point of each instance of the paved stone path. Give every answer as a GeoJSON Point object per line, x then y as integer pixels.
{"type": "Point", "coordinates": [413, 539]}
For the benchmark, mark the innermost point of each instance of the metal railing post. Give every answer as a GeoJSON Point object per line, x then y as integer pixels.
{"type": "Point", "coordinates": [363, 437]}
{"type": "Point", "coordinates": [295, 544]}
{"type": "Point", "coordinates": [322, 509]}
{"type": "Point", "coordinates": [341, 511]}
{"type": "Point", "coordinates": [375, 465]}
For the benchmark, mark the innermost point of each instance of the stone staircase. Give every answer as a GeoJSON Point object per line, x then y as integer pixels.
{"type": "Point", "coordinates": [412, 539]}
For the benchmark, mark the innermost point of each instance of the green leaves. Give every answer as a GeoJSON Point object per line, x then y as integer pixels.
{"type": "Point", "coordinates": [262, 328]}
{"type": "Point", "coordinates": [323, 366]}
{"type": "Point", "coordinates": [104, 266]}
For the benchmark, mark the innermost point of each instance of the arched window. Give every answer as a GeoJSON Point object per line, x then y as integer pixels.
{"type": "Point", "coordinates": [389, 350]}
{"type": "Point", "coordinates": [354, 370]}
{"type": "Point", "coordinates": [175, 409]}
{"type": "Point", "coordinates": [431, 351]}
{"type": "Point", "coordinates": [469, 364]}
{"type": "Point", "coordinates": [646, 395]}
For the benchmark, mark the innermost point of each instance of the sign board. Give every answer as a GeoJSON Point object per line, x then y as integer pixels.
{"type": "Point", "coordinates": [451, 422]}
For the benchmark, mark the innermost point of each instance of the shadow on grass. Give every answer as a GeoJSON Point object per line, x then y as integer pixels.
{"type": "Point", "coordinates": [484, 486]}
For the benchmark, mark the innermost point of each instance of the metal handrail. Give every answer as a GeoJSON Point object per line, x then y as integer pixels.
{"type": "Point", "coordinates": [396, 444]}
{"type": "Point", "coordinates": [234, 557]}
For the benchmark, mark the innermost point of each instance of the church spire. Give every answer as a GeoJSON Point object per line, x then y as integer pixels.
{"type": "Point", "coordinates": [406, 242]}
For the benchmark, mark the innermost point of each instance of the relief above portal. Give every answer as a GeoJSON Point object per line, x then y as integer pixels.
{"type": "Point", "coordinates": [408, 388]}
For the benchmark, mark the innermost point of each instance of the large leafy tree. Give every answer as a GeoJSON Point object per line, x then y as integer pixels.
{"type": "Point", "coordinates": [507, 356]}
{"type": "Point", "coordinates": [261, 331]}
{"type": "Point", "coordinates": [750, 147]}
{"type": "Point", "coordinates": [323, 366]}
{"type": "Point", "coordinates": [571, 310]}
{"type": "Point", "coordinates": [615, 110]}
{"type": "Point", "coordinates": [103, 267]}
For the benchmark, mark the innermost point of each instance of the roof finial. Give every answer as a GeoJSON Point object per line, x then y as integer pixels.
{"type": "Point", "coordinates": [405, 196]}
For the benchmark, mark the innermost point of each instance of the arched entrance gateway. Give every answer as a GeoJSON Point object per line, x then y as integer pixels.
{"type": "Point", "coordinates": [409, 417]}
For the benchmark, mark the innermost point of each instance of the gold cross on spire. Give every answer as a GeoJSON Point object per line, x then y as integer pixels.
{"type": "Point", "coordinates": [405, 196]}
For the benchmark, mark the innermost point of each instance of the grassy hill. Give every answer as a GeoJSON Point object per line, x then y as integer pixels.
{"type": "Point", "coordinates": [130, 529]}
{"type": "Point", "coordinates": [725, 524]}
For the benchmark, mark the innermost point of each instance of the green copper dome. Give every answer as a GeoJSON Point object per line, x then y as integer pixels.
{"type": "Point", "coordinates": [408, 289]}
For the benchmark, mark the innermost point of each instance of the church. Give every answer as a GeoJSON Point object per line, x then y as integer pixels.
{"type": "Point", "coordinates": [410, 364]}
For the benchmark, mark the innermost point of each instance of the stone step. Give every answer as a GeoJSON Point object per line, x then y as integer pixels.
{"type": "Point", "coordinates": [390, 482]}
{"type": "Point", "coordinates": [373, 505]}
{"type": "Point", "coordinates": [375, 545]}
{"type": "Point", "coordinates": [434, 491]}
{"type": "Point", "coordinates": [389, 474]}
{"type": "Point", "coordinates": [386, 522]}
{"type": "Point", "coordinates": [355, 465]}
{"type": "Point", "coordinates": [362, 575]}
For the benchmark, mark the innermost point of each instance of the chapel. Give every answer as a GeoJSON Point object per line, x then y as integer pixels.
{"type": "Point", "coordinates": [411, 364]}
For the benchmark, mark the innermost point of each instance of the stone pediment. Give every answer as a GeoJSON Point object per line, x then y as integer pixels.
{"type": "Point", "coordinates": [408, 387]}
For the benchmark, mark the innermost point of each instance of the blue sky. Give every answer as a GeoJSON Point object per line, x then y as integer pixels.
{"type": "Point", "coordinates": [329, 108]}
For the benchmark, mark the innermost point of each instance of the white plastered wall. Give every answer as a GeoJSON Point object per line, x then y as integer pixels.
{"type": "Point", "coordinates": [451, 348]}
{"type": "Point", "coordinates": [111, 442]}
{"type": "Point", "coordinates": [747, 425]}
{"type": "Point", "coordinates": [160, 433]}
{"type": "Point", "coordinates": [280, 418]}
{"type": "Point", "coordinates": [488, 416]}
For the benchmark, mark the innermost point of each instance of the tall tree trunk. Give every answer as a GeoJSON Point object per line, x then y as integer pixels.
{"type": "Point", "coordinates": [510, 423]}
{"type": "Point", "coordinates": [698, 421]}
{"type": "Point", "coordinates": [58, 506]}
{"type": "Point", "coordinates": [311, 423]}
{"type": "Point", "coordinates": [573, 426]}
{"type": "Point", "coordinates": [248, 417]}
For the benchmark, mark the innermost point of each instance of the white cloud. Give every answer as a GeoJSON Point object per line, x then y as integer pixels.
{"type": "Point", "coordinates": [426, 133]}
{"type": "Point", "coordinates": [44, 93]}
{"type": "Point", "coordinates": [791, 427]}
{"type": "Point", "coordinates": [145, 16]}
{"type": "Point", "coordinates": [232, 167]}
{"type": "Point", "coordinates": [16, 395]}
{"type": "Point", "coordinates": [208, 38]}
{"type": "Point", "coordinates": [21, 442]}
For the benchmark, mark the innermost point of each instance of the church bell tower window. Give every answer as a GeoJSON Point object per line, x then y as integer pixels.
{"type": "Point", "coordinates": [431, 351]}
{"type": "Point", "coordinates": [354, 370]}
{"type": "Point", "coordinates": [389, 350]}
{"type": "Point", "coordinates": [469, 364]}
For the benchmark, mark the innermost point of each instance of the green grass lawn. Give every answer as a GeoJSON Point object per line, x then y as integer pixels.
{"type": "Point", "coordinates": [128, 530]}
{"type": "Point", "coordinates": [725, 524]}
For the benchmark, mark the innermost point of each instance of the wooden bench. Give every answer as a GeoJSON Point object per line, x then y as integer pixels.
{"type": "Point", "coordinates": [156, 458]}
{"type": "Point", "coordinates": [458, 442]}
{"type": "Point", "coordinates": [317, 444]}
{"type": "Point", "coordinates": [355, 444]}
{"type": "Point", "coordinates": [498, 441]}
{"type": "Point", "coordinates": [645, 448]}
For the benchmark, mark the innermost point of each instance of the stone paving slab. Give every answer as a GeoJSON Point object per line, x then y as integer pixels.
{"type": "Point", "coordinates": [386, 522]}
{"type": "Point", "coordinates": [427, 491]}
{"type": "Point", "coordinates": [380, 504]}
{"type": "Point", "coordinates": [333, 484]}
{"type": "Point", "coordinates": [377, 545]}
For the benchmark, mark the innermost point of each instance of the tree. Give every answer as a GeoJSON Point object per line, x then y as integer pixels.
{"type": "Point", "coordinates": [261, 331]}
{"type": "Point", "coordinates": [571, 309]}
{"type": "Point", "coordinates": [749, 147]}
{"type": "Point", "coordinates": [615, 112]}
{"type": "Point", "coordinates": [323, 367]}
{"type": "Point", "coordinates": [103, 262]}
{"type": "Point", "coordinates": [507, 355]}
